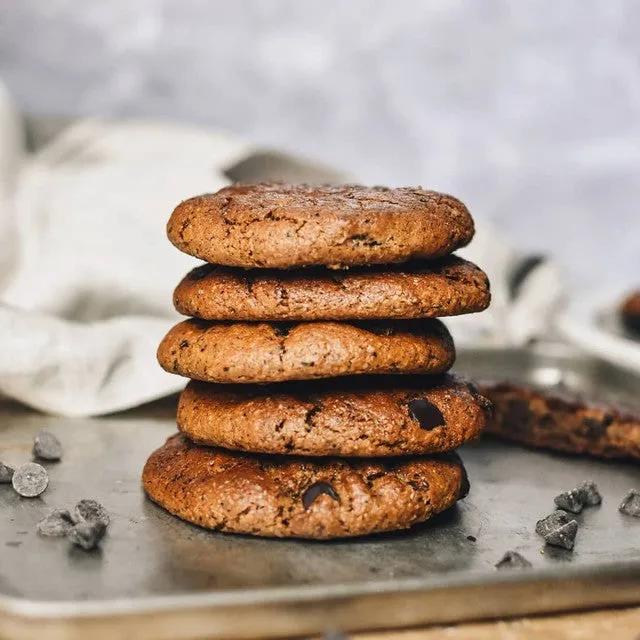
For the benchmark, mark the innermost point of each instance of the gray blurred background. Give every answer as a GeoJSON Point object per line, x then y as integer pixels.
{"type": "Point", "coordinates": [528, 110]}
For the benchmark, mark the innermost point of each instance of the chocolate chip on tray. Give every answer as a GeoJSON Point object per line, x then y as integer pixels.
{"type": "Point", "coordinates": [513, 560]}
{"type": "Point", "coordinates": [57, 524]}
{"type": "Point", "coordinates": [91, 511]}
{"type": "Point", "coordinates": [87, 534]}
{"type": "Point", "coordinates": [630, 504]}
{"type": "Point", "coordinates": [552, 522]}
{"type": "Point", "coordinates": [47, 447]}
{"type": "Point", "coordinates": [6, 473]}
{"type": "Point", "coordinates": [30, 480]}
{"type": "Point", "coordinates": [590, 495]}
{"type": "Point", "coordinates": [572, 500]}
{"type": "Point", "coordinates": [564, 536]}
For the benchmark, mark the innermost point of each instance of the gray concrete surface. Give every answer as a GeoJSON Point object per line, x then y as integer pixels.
{"type": "Point", "coordinates": [528, 110]}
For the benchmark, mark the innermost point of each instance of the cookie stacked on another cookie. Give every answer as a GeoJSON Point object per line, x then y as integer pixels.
{"type": "Point", "coordinates": [319, 404]}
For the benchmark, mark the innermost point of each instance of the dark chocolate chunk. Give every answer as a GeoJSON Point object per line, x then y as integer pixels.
{"type": "Point", "coordinates": [630, 504]}
{"type": "Point", "coordinates": [513, 560]}
{"type": "Point", "coordinates": [563, 536]}
{"type": "Point", "coordinates": [282, 329]}
{"type": "Point", "coordinates": [30, 480]}
{"type": "Point", "coordinates": [426, 414]}
{"type": "Point", "coordinates": [593, 429]}
{"type": "Point", "coordinates": [572, 500]}
{"type": "Point", "coordinates": [471, 538]}
{"type": "Point", "coordinates": [316, 490]}
{"type": "Point", "coordinates": [57, 524]}
{"type": "Point", "coordinates": [552, 522]}
{"type": "Point", "coordinates": [87, 534]}
{"type": "Point", "coordinates": [47, 447]}
{"type": "Point", "coordinates": [90, 511]}
{"type": "Point", "coordinates": [6, 473]}
{"type": "Point", "coordinates": [517, 415]}
{"type": "Point", "coordinates": [590, 495]}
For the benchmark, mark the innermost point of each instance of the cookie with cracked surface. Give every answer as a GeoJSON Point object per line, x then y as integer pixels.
{"type": "Point", "coordinates": [286, 496]}
{"type": "Point", "coordinates": [281, 226]}
{"type": "Point", "coordinates": [449, 287]}
{"type": "Point", "coordinates": [559, 419]}
{"type": "Point", "coordinates": [275, 352]}
{"type": "Point", "coordinates": [359, 417]}
{"type": "Point", "coordinates": [630, 313]}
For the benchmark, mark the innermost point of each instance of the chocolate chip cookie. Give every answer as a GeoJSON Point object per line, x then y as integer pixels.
{"type": "Point", "coordinates": [448, 287]}
{"type": "Point", "coordinates": [360, 417]}
{"type": "Point", "coordinates": [562, 420]}
{"type": "Point", "coordinates": [287, 496]}
{"type": "Point", "coordinates": [282, 226]}
{"type": "Point", "coordinates": [275, 352]}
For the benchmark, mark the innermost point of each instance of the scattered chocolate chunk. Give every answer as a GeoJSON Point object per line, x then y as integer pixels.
{"type": "Point", "coordinates": [471, 538]}
{"type": "Point", "coordinates": [513, 560]}
{"type": "Point", "coordinates": [572, 500]}
{"type": "Point", "coordinates": [57, 524]}
{"type": "Point", "coordinates": [30, 480]}
{"type": "Point", "coordinates": [552, 522]}
{"type": "Point", "coordinates": [87, 534]}
{"type": "Point", "coordinates": [47, 447]}
{"type": "Point", "coordinates": [6, 473]}
{"type": "Point", "coordinates": [90, 511]}
{"type": "Point", "coordinates": [590, 495]}
{"type": "Point", "coordinates": [563, 536]}
{"type": "Point", "coordinates": [426, 413]}
{"type": "Point", "coordinates": [630, 504]}
{"type": "Point", "coordinates": [316, 490]}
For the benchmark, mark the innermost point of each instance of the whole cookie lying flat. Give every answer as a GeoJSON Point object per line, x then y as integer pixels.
{"type": "Point", "coordinates": [246, 352]}
{"type": "Point", "coordinates": [561, 420]}
{"type": "Point", "coordinates": [448, 287]}
{"type": "Point", "coordinates": [285, 496]}
{"type": "Point", "coordinates": [284, 226]}
{"type": "Point", "coordinates": [360, 416]}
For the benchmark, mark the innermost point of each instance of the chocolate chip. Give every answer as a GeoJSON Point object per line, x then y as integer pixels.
{"type": "Point", "coordinates": [590, 495]}
{"type": "Point", "coordinates": [316, 490]}
{"type": "Point", "coordinates": [47, 447]}
{"type": "Point", "coordinates": [87, 534]}
{"type": "Point", "coordinates": [471, 538]}
{"type": "Point", "coordinates": [517, 415]}
{"type": "Point", "coordinates": [90, 511]}
{"type": "Point", "coordinates": [184, 344]}
{"type": "Point", "coordinates": [57, 524]}
{"type": "Point", "coordinates": [572, 500]}
{"type": "Point", "coordinates": [282, 329]}
{"type": "Point", "coordinates": [593, 429]}
{"type": "Point", "coordinates": [30, 480]}
{"type": "Point", "coordinates": [513, 560]}
{"type": "Point", "coordinates": [426, 414]}
{"type": "Point", "coordinates": [563, 536]}
{"type": "Point", "coordinates": [6, 473]}
{"type": "Point", "coordinates": [552, 522]}
{"type": "Point", "coordinates": [630, 504]}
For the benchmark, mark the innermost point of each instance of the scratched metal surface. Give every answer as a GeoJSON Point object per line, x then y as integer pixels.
{"type": "Point", "coordinates": [148, 553]}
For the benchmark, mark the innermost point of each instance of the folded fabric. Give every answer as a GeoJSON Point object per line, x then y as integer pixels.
{"type": "Point", "coordinates": [87, 274]}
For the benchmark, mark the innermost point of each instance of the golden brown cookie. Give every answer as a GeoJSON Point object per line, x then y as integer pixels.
{"type": "Point", "coordinates": [448, 287]}
{"type": "Point", "coordinates": [562, 420]}
{"type": "Point", "coordinates": [285, 496]}
{"type": "Point", "coordinates": [281, 226]}
{"type": "Point", "coordinates": [274, 352]}
{"type": "Point", "coordinates": [361, 416]}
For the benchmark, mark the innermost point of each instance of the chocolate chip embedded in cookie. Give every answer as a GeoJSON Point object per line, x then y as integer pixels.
{"type": "Point", "coordinates": [630, 313]}
{"type": "Point", "coordinates": [281, 226]}
{"type": "Point", "coordinates": [562, 420]}
{"type": "Point", "coordinates": [249, 352]}
{"type": "Point", "coordinates": [360, 416]}
{"type": "Point", "coordinates": [448, 287]}
{"type": "Point", "coordinates": [285, 496]}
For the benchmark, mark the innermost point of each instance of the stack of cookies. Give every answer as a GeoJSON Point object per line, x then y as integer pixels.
{"type": "Point", "coordinates": [319, 404]}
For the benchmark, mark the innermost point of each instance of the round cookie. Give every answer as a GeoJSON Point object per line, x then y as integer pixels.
{"type": "Point", "coordinates": [284, 496]}
{"type": "Point", "coordinates": [264, 352]}
{"type": "Point", "coordinates": [281, 226]}
{"type": "Point", "coordinates": [448, 287]}
{"type": "Point", "coordinates": [359, 417]}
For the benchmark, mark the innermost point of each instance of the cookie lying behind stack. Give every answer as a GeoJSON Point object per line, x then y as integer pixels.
{"type": "Point", "coordinates": [292, 367]}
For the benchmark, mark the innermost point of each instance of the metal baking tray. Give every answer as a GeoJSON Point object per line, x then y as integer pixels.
{"type": "Point", "coordinates": [159, 578]}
